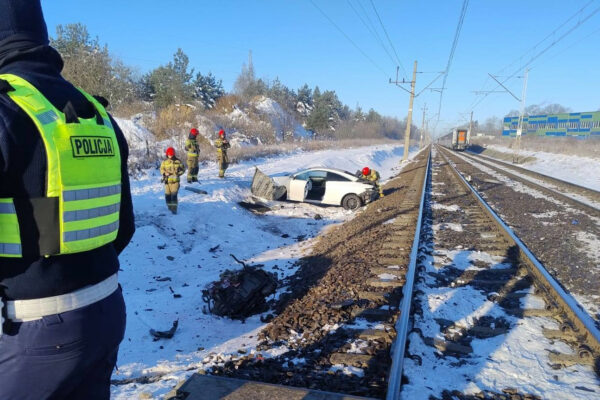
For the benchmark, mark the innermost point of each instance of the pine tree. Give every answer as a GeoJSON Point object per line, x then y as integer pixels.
{"type": "Point", "coordinates": [359, 116]}
{"type": "Point", "coordinates": [304, 102]}
{"type": "Point", "coordinates": [207, 89]}
{"type": "Point", "coordinates": [170, 84]}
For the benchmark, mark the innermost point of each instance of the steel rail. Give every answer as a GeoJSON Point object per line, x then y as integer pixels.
{"type": "Point", "coordinates": [399, 347]}
{"type": "Point", "coordinates": [534, 173]}
{"type": "Point", "coordinates": [489, 163]}
{"type": "Point", "coordinates": [583, 320]}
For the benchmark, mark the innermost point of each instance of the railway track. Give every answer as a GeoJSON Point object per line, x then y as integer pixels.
{"type": "Point", "coordinates": [562, 233]}
{"type": "Point", "coordinates": [345, 325]}
{"type": "Point", "coordinates": [489, 321]}
{"type": "Point", "coordinates": [579, 196]}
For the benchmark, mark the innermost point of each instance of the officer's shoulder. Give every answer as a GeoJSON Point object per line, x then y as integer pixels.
{"type": "Point", "coordinates": [102, 100]}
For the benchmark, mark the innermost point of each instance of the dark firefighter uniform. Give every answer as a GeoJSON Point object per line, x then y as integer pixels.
{"type": "Point", "coordinates": [373, 176]}
{"type": "Point", "coordinates": [222, 145]}
{"type": "Point", "coordinates": [65, 215]}
{"type": "Point", "coordinates": [171, 169]}
{"type": "Point", "coordinates": [193, 151]}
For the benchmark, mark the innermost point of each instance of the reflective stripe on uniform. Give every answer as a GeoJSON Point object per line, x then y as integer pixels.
{"type": "Point", "coordinates": [93, 193]}
{"type": "Point", "coordinates": [90, 233]}
{"type": "Point", "coordinates": [47, 117]}
{"type": "Point", "coordinates": [80, 215]}
{"type": "Point", "coordinates": [7, 208]}
{"type": "Point", "coordinates": [10, 235]}
{"type": "Point", "coordinates": [10, 248]}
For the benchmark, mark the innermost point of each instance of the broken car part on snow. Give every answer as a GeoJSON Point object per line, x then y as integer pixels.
{"type": "Point", "coordinates": [239, 294]}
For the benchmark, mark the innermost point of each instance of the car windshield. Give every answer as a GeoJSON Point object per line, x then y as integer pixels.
{"type": "Point", "coordinates": [332, 176]}
{"type": "Point", "coordinates": [303, 176]}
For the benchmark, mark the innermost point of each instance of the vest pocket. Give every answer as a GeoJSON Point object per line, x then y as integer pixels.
{"type": "Point", "coordinates": [45, 214]}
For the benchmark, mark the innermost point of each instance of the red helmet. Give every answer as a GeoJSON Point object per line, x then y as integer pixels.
{"type": "Point", "coordinates": [366, 171]}
{"type": "Point", "coordinates": [221, 132]}
{"type": "Point", "coordinates": [194, 132]}
{"type": "Point", "coordinates": [170, 152]}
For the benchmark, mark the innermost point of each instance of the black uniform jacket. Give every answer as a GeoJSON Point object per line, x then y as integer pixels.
{"type": "Point", "coordinates": [23, 176]}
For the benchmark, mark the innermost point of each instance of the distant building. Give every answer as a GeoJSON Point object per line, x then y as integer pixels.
{"type": "Point", "coordinates": [583, 124]}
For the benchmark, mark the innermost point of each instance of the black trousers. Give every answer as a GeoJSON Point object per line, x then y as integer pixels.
{"type": "Point", "coordinates": [63, 356]}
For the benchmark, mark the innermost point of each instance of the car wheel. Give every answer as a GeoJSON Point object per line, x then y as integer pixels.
{"type": "Point", "coordinates": [351, 202]}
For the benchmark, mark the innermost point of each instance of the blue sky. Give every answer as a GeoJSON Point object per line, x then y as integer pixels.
{"type": "Point", "coordinates": [292, 40]}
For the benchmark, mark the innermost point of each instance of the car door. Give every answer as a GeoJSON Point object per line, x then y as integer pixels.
{"type": "Point", "coordinates": [336, 188]}
{"type": "Point", "coordinates": [299, 187]}
{"type": "Point", "coordinates": [316, 187]}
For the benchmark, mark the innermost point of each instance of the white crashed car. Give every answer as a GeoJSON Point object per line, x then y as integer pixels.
{"type": "Point", "coordinates": [317, 185]}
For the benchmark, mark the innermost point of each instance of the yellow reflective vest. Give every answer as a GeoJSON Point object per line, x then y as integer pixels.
{"type": "Point", "coordinates": [192, 147]}
{"type": "Point", "coordinates": [83, 177]}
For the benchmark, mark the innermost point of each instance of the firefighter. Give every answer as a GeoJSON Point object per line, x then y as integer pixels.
{"type": "Point", "coordinates": [222, 145]}
{"type": "Point", "coordinates": [171, 169]}
{"type": "Point", "coordinates": [372, 176]}
{"type": "Point", "coordinates": [193, 151]}
{"type": "Point", "coordinates": [65, 216]}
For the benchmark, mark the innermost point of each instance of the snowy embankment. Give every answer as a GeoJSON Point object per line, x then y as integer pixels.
{"type": "Point", "coordinates": [581, 171]}
{"type": "Point", "coordinates": [173, 257]}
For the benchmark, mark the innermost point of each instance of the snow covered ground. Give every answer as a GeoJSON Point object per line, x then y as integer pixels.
{"type": "Point", "coordinates": [170, 261]}
{"type": "Point", "coordinates": [582, 171]}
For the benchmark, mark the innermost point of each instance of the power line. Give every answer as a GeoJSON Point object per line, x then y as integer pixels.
{"type": "Point", "coordinates": [546, 37]}
{"type": "Point", "coordinates": [373, 33]}
{"type": "Point", "coordinates": [366, 14]}
{"type": "Point", "coordinates": [544, 50]}
{"type": "Point", "coordinates": [348, 38]}
{"type": "Point", "coordinates": [574, 44]}
{"type": "Point", "coordinates": [461, 20]}
{"type": "Point", "coordinates": [388, 36]}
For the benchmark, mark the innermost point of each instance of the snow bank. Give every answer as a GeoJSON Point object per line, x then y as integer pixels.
{"type": "Point", "coordinates": [582, 171]}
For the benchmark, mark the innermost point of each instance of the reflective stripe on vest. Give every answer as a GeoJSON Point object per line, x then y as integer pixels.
{"type": "Point", "coordinates": [10, 237]}
{"type": "Point", "coordinates": [83, 170]}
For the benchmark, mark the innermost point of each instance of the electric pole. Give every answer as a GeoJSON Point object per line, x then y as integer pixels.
{"type": "Point", "coordinates": [422, 127]}
{"type": "Point", "coordinates": [471, 124]}
{"type": "Point", "coordinates": [410, 107]}
{"type": "Point", "coordinates": [521, 115]}
{"type": "Point", "coordinates": [409, 116]}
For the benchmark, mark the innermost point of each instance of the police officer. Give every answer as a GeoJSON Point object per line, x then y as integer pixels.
{"type": "Point", "coordinates": [372, 176]}
{"type": "Point", "coordinates": [171, 169]}
{"type": "Point", "coordinates": [222, 144]}
{"type": "Point", "coordinates": [193, 151]}
{"type": "Point", "coordinates": [65, 215]}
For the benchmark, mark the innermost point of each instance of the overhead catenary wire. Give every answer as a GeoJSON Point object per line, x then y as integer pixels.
{"type": "Point", "coordinates": [461, 20]}
{"type": "Point", "coordinates": [579, 23]}
{"type": "Point", "coordinates": [482, 90]}
{"type": "Point", "coordinates": [348, 38]}
{"type": "Point", "coordinates": [388, 37]}
{"type": "Point", "coordinates": [371, 23]}
{"type": "Point", "coordinates": [573, 44]}
{"type": "Point", "coordinates": [535, 46]}
{"type": "Point", "coordinates": [373, 32]}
